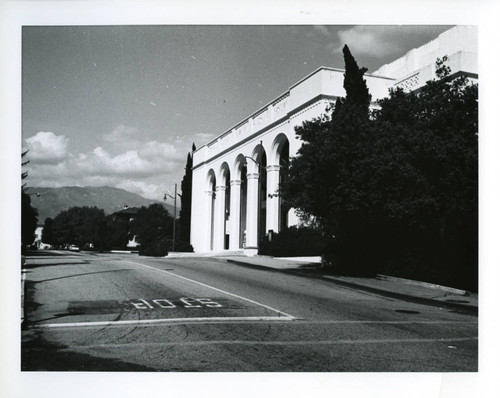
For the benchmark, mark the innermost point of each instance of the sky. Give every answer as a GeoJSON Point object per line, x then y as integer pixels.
{"type": "Point", "coordinates": [122, 105]}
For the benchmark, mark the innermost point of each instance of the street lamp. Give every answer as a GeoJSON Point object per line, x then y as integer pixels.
{"type": "Point", "coordinates": [175, 213]}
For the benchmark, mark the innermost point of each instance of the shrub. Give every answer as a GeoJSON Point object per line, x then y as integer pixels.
{"type": "Point", "coordinates": [293, 242]}
{"type": "Point", "coordinates": [180, 246]}
{"type": "Point", "coordinates": [156, 248]}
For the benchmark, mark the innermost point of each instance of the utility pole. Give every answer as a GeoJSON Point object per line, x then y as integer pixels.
{"type": "Point", "coordinates": [175, 216]}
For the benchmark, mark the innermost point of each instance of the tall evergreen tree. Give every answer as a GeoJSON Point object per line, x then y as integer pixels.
{"type": "Point", "coordinates": [186, 195]}
{"type": "Point", "coordinates": [357, 94]}
{"type": "Point", "coordinates": [328, 175]}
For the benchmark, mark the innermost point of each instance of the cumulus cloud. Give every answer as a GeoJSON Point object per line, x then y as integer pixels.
{"type": "Point", "coordinates": [204, 136]}
{"type": "Point", "coordinates": [146, 169]}
{"type": "Point", "coordinates": [47, 148]}
{"type": "Point", "coordinates": [123, 138]}
{"type": "Point", "coordinates": [380, 41]}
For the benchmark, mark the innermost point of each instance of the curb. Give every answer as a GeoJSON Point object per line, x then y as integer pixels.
{"type": "Point", "coordinates": [470, 309]}
{"type": "Point", "coordinates": [451, 290]}
{"type": "Point", "coordinates": [257, 266]}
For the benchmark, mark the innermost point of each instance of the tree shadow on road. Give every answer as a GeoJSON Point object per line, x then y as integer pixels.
{"type": "Point", "coordinates": [39, 355]}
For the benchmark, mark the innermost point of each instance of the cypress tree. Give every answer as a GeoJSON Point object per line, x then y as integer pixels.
{"type": "Point", "coordinates": [186, 189]}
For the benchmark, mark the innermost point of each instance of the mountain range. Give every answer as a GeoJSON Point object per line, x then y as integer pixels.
{"type": "Point", "coordinates": [51, 201]}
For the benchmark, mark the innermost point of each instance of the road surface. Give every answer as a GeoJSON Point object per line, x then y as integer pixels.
{"type": "Point", "coordinates": [118, 312]}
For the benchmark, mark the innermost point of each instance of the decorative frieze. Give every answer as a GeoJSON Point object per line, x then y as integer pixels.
{"type": "Point", "coordinates": [409, 83]}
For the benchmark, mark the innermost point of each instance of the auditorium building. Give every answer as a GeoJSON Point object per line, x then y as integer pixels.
{"type": "Point", "coordinates": [235, 200]}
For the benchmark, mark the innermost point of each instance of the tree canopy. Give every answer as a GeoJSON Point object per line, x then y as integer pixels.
{"type": "Point", "coordinates": [80, 226]}
{"type": "Point", "coordinates": [395, 188]}
{"type": "Point", "coordinates": [153, 226]}
{"type": "Point", "coordinates": [29, 215]}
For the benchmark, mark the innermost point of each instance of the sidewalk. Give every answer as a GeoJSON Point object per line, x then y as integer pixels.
{"type": "Point", "coordinates": [403, 289]}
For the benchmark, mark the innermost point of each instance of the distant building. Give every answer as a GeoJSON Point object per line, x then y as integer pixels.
{"type": "Point", "coordinates": [38, 237]}
{"type": "Point", "coordinates": [236, 175]}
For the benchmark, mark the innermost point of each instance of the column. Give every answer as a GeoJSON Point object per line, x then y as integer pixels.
{"type": "Point", "coordinates": [219, 218]}
{"type": "Point", "coordinates": [273, 200]}
{"type": "Point", "coordinates": [209, 213]}
{"type": "Point", "coordinates": [251, 247]}
{"type": "Point", "coordinates": [234, 217]}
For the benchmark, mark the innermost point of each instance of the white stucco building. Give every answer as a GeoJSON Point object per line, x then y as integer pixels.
{"type": "Point", "coordinates": [236, 175]}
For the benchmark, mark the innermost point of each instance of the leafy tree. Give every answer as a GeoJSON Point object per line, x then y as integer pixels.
{"type": "Point", "coordinates": [29, 215]}
{"type": "Point", "coordinates": [428, 156]}
{"type": "Point", "coordinates": [29, 220]}
{"type": "Point", "coordinates": [116, 232]}
{"type": "Point", "coordinates": [186, 189]}
{"type": "Point", "coordinates": [397, 189]}
{"type": "Point", "coordinates": [152, 227]}
{"type": "Point", "coordinates": [79, 225]}
{"type": "Point", "coordinates": [47, 232]}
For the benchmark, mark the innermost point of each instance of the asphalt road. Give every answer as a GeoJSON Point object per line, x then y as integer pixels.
{"type": "Point", "coordinates": [110, 312]}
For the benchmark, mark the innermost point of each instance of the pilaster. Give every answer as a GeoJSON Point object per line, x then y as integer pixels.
{"type": "Point", "coordinates": [234, 215]}
{"type": "Point", "coordinates": [251, 246]}
{"type": "Point", "coordinates": [273, 200]}
{"type": "Point", "coordinates": [219, 218]}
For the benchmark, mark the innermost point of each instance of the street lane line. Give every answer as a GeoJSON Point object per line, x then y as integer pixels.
{"type": "Point", "coordinates": [160, 320]}
{"type": "Point", "coordinates": [328, 322]}
{"type": "Point", "coordinates": [278, 343]}
{"type": "Point", "coordinates": [208, 320]}
{"type": "Point", "coordinates": [214, 288]}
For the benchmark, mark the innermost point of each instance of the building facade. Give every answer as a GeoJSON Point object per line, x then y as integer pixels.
{"type": "Point", "coordinates": [235, 198]}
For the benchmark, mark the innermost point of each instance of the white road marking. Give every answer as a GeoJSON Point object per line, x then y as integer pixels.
{"type": "Point", "coordinates": [213, 288]}
{"type": "Point", "coordinates": [160, 320]}
{"type": "Point", "coordinates": [278, 343]}
{"type": "Point", "coordinates": [392, 322]}
{"type": "Point", "coordinates": [247, 319]}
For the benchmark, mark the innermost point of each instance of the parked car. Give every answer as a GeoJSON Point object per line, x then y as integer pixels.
{"type": "Point", "coordinates": [74, 248]}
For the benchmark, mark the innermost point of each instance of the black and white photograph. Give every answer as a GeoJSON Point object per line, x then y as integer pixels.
{"type": "Point", "coordinates": [265, 202]}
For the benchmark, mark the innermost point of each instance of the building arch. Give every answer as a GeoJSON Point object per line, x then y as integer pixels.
{"type": "Point", "coordinates": [238, 215]}
{"type": "Point", "coordinates": [279, 146]}
{"type": "Point", "coordinates": [223, 209]}
{"type": "Point", "coordinates": [280, 155]}
{"type": "Point", "coordinates": [257, 196]}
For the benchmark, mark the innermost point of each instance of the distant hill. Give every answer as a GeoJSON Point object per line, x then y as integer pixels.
{"type": "Point", "coordinates": [54, 200]}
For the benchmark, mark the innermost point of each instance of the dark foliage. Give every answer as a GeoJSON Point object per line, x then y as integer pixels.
{"type": "Point", "coordinates": [29, 215]}
{"type": "Point", "coordinates": [395, 190]}
{"type": "Point", "coordinates": [47, 232]}
{"type": "Point", "coordinates": [83, 226]}
{"type": "Point", "coordinates": [29, 220]}
{"type": "Point", "coordinates": [294, 241]}
{"type": "Point", "coordinates": [156, 248]}
{"type": "Point", "coordinates": [186, 189]}
{"type": "Point", "coordinates": [152, 226]}
{"type": "Point", "coordinates": [180, 245]}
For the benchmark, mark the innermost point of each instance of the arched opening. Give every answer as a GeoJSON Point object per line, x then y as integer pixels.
{"type": "Point", "coordinates": [238, 204]}
{"type": "Point", "coordinates": [261, 160]}
{"type": "Point", "coordinates": [284, 162]}
{"type": "Point", "coordinates": [226, 180]}
{"type": "Point", "coordinates": [243, 204]}
{"type": "Point", "coordinates": [280, 158]}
